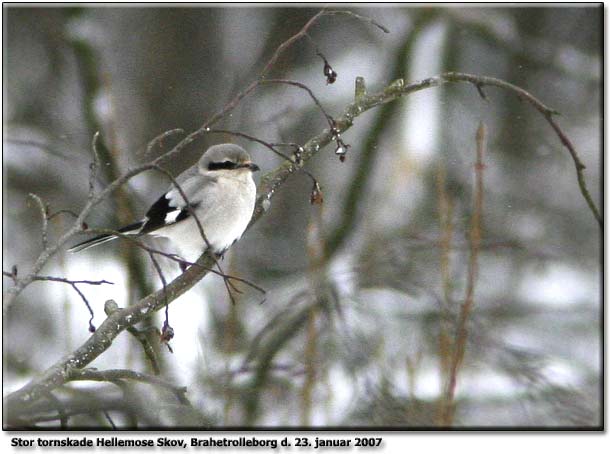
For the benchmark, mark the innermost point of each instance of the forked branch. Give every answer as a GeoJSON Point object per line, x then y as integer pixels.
{"type": "Point", "coordinates": [121, 319]}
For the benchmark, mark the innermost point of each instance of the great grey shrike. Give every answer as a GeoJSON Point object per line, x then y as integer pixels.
{"type": "Point", "coordinates": [221, 193]}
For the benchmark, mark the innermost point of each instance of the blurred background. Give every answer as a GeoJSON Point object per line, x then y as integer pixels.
{"type": "Point", "coordinates": [364, 292]}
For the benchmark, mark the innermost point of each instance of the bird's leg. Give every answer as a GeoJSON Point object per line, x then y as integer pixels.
{"type": "Point", "coordinates": [181, 262]}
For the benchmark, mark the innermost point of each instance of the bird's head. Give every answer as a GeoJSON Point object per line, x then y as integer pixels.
{"type": "Point", "coordinates": [226, 159]}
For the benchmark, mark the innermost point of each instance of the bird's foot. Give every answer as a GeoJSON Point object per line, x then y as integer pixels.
{"type": "Point", "coordinates": [181, 262]}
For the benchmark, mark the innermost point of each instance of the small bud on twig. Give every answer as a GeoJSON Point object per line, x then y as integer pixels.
{"type": "Point", "coordinates": [360, 89]}
{"type": "Point", "coordinates": [342, 147]}
{"type": "Point", "coordinates": [298, 155]}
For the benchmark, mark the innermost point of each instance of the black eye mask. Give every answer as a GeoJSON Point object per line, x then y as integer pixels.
{"type": "Point", "coordinates": [222, 165]}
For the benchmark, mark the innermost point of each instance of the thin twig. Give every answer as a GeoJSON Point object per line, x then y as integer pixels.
{"type": "Point", "coordinates": [276, 55]}
{"type": "Point", "coordinates": [445, 208]}
{"type": "Point", "coordinates": [270, 183]}
{"type": "Point", "coordinates": [174, 258]}
{"type": "Point", "coordinates": [167, 332]}
{"type": "Point", "coordinates": [329, 119]}
{"type": "Point", "coordinates": [57, 213]}
{"type": "Point", "coordinates": [357, 16]}
{"type": "Point", "coordinates": [95, 164]}
{"type": "Point", "coordinates": [160, 138]}
{"type": "Point", "coordinates": [475, 243]}
{"type": "Point", "coordinates": [140, 335]}
{"type": "Point", "coordinates": [161, 276]}
{"type": "Point", "coordinates": [548, 114]}
{"type": "Point", "coordinates": [147, 347]}
{"type": "Point", "coordinates": [114, 375]}
{"type": "Point", "coordinates": [44, 214]}
{"type": "Point", "coordinates": [109, 419]}
{"type": "Point", "coordinates": [61, 411]}
{"type": "Point", "coordinates": [69, 281]}
{"type": "Point", "coordinates": [93, 200]}
{"type": "Point", "coordinates": [74, 285]}
{"type": "Point", "coordinates": [270, 146]}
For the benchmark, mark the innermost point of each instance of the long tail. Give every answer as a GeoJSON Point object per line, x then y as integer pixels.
{"type": "Point", "coordinates": [131, 228]}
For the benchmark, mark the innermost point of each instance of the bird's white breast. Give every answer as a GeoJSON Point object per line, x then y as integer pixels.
{"type": "Point", "coordinates": [224, 216]}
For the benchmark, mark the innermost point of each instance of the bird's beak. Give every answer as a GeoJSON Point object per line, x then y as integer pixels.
{"type": "Point", "coordinates": [250, 165]}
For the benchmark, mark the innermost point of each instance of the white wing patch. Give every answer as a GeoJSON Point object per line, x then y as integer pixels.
{"type": "Point", "coordinates": [170, 217]}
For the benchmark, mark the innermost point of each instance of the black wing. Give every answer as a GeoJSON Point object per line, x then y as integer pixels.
{"type": "Point", "coordinates": [161, 213]}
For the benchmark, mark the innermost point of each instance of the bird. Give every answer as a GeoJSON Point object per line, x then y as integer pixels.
{"type": "Point", "coordinates": [220, 192]}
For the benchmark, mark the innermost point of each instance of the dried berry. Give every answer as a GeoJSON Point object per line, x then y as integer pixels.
{"type": "Point", "coordinates": [329, 73]}
{"type": "Point", "coordinates": [316, 197]}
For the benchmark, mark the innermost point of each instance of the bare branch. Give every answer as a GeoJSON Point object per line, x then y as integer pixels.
{"type": "Point", "coordinates": [167, 332]}
{"type": "Point", "coordinates": [44, 214]}
{"type": "Point", "coordinates": [329, 119]}
{"type": "Point", "coordinates": [74, 285]}
{"type": "Point", "coordinates": [69, 281]}
{"type": "Point", "coordinates": [548, 114]}
{"type": "Point", "coordinates": [270, 146]}
{"type": "Point", "coordinates": [461, 335]}
{"type": "Point", "coordinates": [61, 411]}
{"type": "Point", "coordinates": [121, 319]}
{"type": "Point", "coordinates": [160, 138]}
{"type": "Point", "coordinates": [172, 257]}
{"type": "Point", "coordinates": [359, 17]}
{"type": "Point", "coordinates": [95, 164]}
{"type": "Point", "coordinates": [276, 55]}
{"type": "Point", "coordinates": [117, 375]}
{"type": "Point", "coordinates": [109, 419]}
{"type": "Point", "coordinates": [57, 213]}
{"type": "Point", "coordinates": [140, 335]}
{"type": "Point", "coordinates": [94, 200]}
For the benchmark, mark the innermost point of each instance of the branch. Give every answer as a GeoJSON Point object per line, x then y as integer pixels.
{"type": "Point", "coordinates": [73, 284]}
{"type": "Point", "coordinates": [160, 138]}
{"type": "Point", "coordinates": [121, 319]}
{"type": "Point", "coordinates": [367, 154]}
{"type": "Point", "coordinates": [44, 214]}
{"type": "Point", "coordinates": [461, 335]}
{"type": "Point", "coordinates": [140, 335]}
{"type": "Point", "coordinates": [117, 322]}
{"type": "Point", "coordinates": [93, 199]}
{"type": "Point", "coordinates": [548, 114]}
{"type": "Point", "coordinates": [48, 410]}
{"type": "Point", "coordinates": [276, 55]}
{"type": "Point", "coordinates": [172, 257]}
{"type": "Point", "coordinates": [118, 375]}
